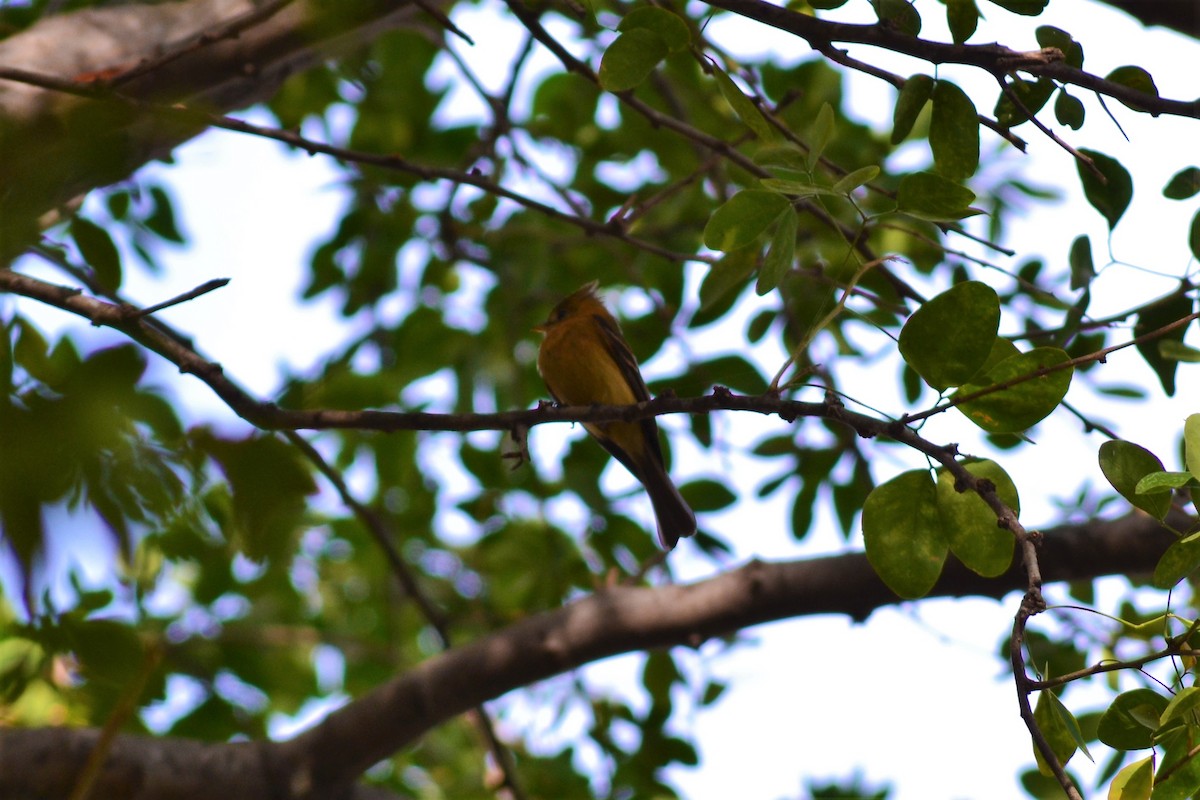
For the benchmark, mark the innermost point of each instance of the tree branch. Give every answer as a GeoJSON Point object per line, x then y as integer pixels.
{"type": "Point", "coordinates": [334, 753]}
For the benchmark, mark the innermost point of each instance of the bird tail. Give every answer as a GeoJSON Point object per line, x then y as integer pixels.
{"type": "Point", "coordinates": [675, 517]}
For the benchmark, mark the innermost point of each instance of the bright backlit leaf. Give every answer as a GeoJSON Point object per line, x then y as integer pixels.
{"type": "Point", "coordinates": [970, 523]}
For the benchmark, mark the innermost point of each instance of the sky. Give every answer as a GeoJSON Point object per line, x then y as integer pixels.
{"type": "Point", "coordinates": [934, 711]}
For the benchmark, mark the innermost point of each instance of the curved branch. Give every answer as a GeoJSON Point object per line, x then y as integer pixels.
{"type": "Point", "coordinates": [994, 58]}
{"type": "Point", "coordinates": [334, 753]}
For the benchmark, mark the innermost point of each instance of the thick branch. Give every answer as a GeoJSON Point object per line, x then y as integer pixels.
{"type": "Point", "coordinates": [617, 620]}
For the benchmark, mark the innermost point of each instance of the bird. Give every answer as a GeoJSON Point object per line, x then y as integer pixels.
{"type": "Point", "coordinates": [585, 360]}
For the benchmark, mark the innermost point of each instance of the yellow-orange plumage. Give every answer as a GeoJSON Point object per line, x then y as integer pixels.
{"type": "Point", "coordinates": [585, 360]}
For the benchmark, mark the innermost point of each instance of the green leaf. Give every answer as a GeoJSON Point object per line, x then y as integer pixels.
{"type": "Point", "coordinates": [1159, 315]}
{"type": "Point", "coordinates": [1178, 351]}
{"type": "Point", "coordinates": [903, 535]}
{"type": "Point", "coordinates": [1180, 560]}
{"type": "Point", "coordinates": [912, 98]}
{"type": "Point", "coordinates": [785, 156]}
{"type": "Point", "coordinates": [743, 218]}
{"type": "Point", "coordinates": [1068, 110]}
{"type": "Point", "coordinates": [162, 219]}
{"type": "Point", "coordinates": [1132, 719]}
{"type": "Point", "coordinates": [98, 251]}
{"type": "Point", "coordinates": [724, 280]}
{"type": "Point", "coordinates": [1191, 444]}
{"type": "Point", "coordinates": [1124, 464]}
{"type": "Point", "coordinates": [669, 26]}
{"type": "Point", "coordinates": [970, 524]}
{"type": "Point", "coordinates": [1182, 708]}
{"type": "Point", "coordinates": [899, 15]}
{"type": "Point", "coordinates": [1179, 768]}
{"type": "Point", "coordinates": [852, 180]}
{"type": "Point", "coordinates": [780, 255]}
{"type": "Point", "coordinates": [707, 495]}
{"type": "Point", "coordinates": [1194, 235]}
{"type": "Point", "coordinates": [1110, 195]}
{"type": "Point", "coordinates": [630, 59]}
{"type": "Point", "coordinates": [931, 197]}
{"type": "Point", "coordinates": [1049, 36]}
{"type": "Point", "coordinates": [1080, 259]}
{"type": "Point", "coordinates": [954, 132]}
{"type": "Point", "coordinates": [270, 483]}
{"type": "Point", "coordinates": [1028, 8]}
{"type": "Point", "coordinates": [963, 17]}
{"type": "Point", "coordinates": [1159, 482]}
{"type": "Point", "coordinates": [820, 134]}
{"type": "Point", "coordinates": [1135, 78]}
{"type": "Point", "coordinates": [948, 338]}
{"type": "Point", "coordinates": [1023, 404]}
{"type": "Point", "coordinates": [1134, 782]}
{"type": "Point", "coordinates": [743, 106]}
{"type": "Point", "coordinates": [797, 188]}
{"type": "Point", "coordinates": [1183, 184]}
{"type": "Point", "coordinates": [1054, 727]}
{"type": "Point", "coordinates": [1069, 723]}
{"type": "Point", "coordinates": [1032, 94]}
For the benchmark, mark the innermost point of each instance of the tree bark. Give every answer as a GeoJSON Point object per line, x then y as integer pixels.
{"type": "Point", "coordinates": [327, 760]}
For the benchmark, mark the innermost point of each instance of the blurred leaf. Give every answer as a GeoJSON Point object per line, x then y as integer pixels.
{"type": "Point", "coordinates": [707, 495]}
{"type": "Point", "coordinates": [1080, 259]}
{"type": "Point", "coordinates": [1194, 235]}
{"type": "Point", "coordinates": [269, 483]}
{"type": "Point", "coordinates": [98, 252]}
